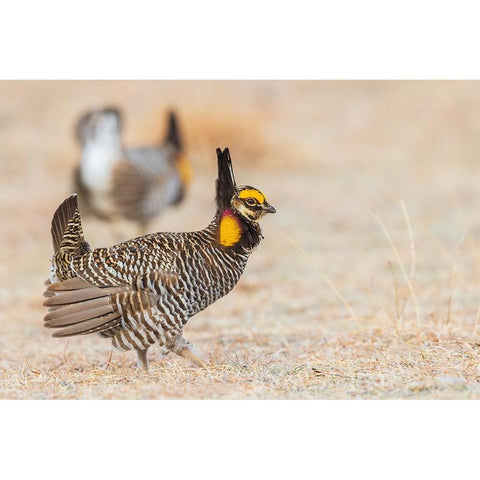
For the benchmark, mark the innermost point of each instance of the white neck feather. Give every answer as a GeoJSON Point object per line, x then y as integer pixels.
{"type": "Point", "coordinates": [98, 159]}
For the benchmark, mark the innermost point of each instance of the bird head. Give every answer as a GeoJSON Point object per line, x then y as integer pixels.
{"type": "Point", "coordinates": [246, 201]}
{"type": "Point", "coordinates": [99, 125]}
{"type": "Point", "coordinates": [250, 203]}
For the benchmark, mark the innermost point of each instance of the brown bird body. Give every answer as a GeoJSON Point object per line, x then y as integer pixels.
{"type": "Point", "coordinates": [142, 292]}
{"type": "Point", "coordinates": [136, 184]}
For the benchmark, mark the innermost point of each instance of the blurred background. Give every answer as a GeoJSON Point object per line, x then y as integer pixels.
{"type": "Point", "coordinates": [374, 247]}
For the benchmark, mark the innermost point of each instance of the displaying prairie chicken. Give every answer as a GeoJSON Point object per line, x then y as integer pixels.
{"type": "Point", "coordinates": [136, 183]}
{"type": "Point", "coordinates": [142, 292]}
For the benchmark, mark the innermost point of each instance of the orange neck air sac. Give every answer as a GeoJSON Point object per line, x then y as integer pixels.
{"type": "Point", "coordinates": [230, 228]}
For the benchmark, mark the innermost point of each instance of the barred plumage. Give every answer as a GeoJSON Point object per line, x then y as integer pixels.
{"type": "Point", "coordinates": [137, 183]}
{"type": "Point", "coordinates": [142, 292]}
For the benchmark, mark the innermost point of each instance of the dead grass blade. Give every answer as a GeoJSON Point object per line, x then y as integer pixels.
{"type": "Point", "coordinates": [410, 236]}
{"type": "Point", "coordinates": [400, 264]}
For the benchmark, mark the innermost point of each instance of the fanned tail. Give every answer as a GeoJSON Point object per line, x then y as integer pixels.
{"type": "Point", "coordinates": [67, 238]}
{"type": "Point", "coordinates": [78, 308]}
{"type": "Point", "coordinates": [67, 233]}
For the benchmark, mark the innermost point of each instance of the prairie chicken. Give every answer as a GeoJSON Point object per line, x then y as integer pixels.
{"type": "Point", "coordinates": [143, 291]}
{"type": "Point", "coordinates": [137, 183]}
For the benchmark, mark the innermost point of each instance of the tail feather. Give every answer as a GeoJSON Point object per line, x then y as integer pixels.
{"type": "Point", "coordinates": [78, 308]}
{"type": "Point", "coordinates": [63, 214]}
{"type": "Point", "coordinates": [52, 321]}
{"type": "Point", "coordinates": [70, 284]}
{"type": "Point", "coordinates": [74, 296]}
{"type": "Point", "coordinates": [93, 325]}
{"type": "Point", "coordinates": [67, 233]}
{"type": "Point", "coordinates": [65, 310]}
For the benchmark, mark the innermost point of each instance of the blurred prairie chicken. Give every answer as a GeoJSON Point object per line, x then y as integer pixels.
{"type": "Point", "coordinates": [143, 291]}
{"type": "Point", "coordinates": [136, 183]}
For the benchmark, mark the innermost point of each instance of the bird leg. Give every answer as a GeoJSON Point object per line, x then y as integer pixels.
{"type": "Point", "coordinates": [142, 361]}
{"type": "Point", "coordinates": [184, 349]}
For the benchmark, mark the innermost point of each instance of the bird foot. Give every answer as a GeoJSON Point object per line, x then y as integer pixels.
{"type": "Point", "coordinates": [184, 349]}
{"type": "Point", "coordinates": [187, 354]}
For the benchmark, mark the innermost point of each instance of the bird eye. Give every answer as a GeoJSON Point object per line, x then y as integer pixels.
{"type": "Point", "coordinates": [251, 202]}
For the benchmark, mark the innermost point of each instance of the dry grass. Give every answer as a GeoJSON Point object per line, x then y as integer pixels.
{"type": "Point", "coordinates": [366, 285]}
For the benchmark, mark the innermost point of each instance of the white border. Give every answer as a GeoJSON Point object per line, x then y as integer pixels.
{"type": "Point", "coordinates": [239, 439]}
{"type": "Point", "coordinates": [251, 39]}
{"type": "Point", "coordinates": [197, 40]}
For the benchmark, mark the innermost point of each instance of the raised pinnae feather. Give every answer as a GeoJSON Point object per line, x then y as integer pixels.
{"type": "Point", "coordinates": [173, 135]}
{"type": "Point", "coordinates": [226, 180]}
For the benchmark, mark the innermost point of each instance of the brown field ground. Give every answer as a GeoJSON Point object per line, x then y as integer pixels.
{"type": "Point", "coordinates": [367, 284]}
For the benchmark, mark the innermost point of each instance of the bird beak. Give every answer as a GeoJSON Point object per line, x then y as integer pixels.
{"type": "Point", "coordinates": [269, 208]}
